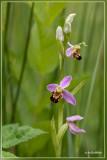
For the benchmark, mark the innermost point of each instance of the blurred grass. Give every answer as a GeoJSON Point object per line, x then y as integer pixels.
{"type": "Point", "coordinates": [42, 68]}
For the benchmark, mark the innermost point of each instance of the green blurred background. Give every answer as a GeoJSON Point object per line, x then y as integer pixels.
{"type": "Point", "coordinates": [30, 62]}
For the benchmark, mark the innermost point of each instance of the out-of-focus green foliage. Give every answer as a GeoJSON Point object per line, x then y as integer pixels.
{"type": "Point", "coordinates": [42, 67]}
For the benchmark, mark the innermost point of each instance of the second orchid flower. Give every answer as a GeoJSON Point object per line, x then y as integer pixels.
{"type": "Point", "coordinates": [58, 91]}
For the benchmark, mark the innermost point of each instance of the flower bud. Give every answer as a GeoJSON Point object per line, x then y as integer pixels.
{"type": "Point", "coordinates": [70, 18]}
{"type": "Point", "coordinates": [59, 34]}
{"type": "Point", "coordinates": [68, 21]}
{"type": "Point", "coordinates": [67, 27]}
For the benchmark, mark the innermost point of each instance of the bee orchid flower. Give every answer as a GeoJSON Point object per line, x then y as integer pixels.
{"type": "Point", "coordinates": [72, 126]}
{"type": "Point", "coordinates": [73, 51]}
{"type": "Point", "coordinates": [58, 91]}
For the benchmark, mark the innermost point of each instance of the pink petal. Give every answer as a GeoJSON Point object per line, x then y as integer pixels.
{"type": "Point", "coordinates": [65, 81]}
{"type": "Point", "coordinates": [74, 129]}
{"type": "Point", "coordinates": [74, 118]}
{"type": "Point", "coordinates": [69, 51]}
{"type": "Point", "coordinates": [51, 87]}
{"type": "Point", "coordinates": [69, 97]}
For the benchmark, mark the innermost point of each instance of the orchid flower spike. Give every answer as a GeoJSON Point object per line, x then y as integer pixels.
{"type": "Point", "coordinates": [72, 126]}
{"type": "Point", "coordinates": [58, 91]}
{"type": "Point", "coordinates": [73, 51]}
{"type": "Point", "coordinates": [59, 34]}
{"type": "Point", "coordinates": [68, 21]}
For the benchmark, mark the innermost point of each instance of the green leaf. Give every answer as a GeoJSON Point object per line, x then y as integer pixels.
{"type": "Point", "coordinates": [7, 154]}
{"type": "Point", "coordinates": [62, 131]}
{"type": "Point", "coordinates": [50, 12]}
{"type": "Point", "coordinates": [19, 28]}
{"type": "Point", "coordinates": [54, 9]}
{"type": "Point", "coordinates": [40, 141]}
{"type": "Point", "coordinates": [79, 86]}
{"type": "Point", "coordinates": [43, 54]}
{"type": "Point", "coordinates": [14, 134]}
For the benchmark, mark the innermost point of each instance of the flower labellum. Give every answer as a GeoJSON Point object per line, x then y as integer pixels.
{"type": "Point", "coordinates": [73, 51]}
{"type": "Point", "coordinates": [72, 126]}
{"type": "Point", "coordinates": [59, 34]}
{"type": "Point", "coordinates": [58, 91]}
{"type": "Point", "coordinates": [68, 21]}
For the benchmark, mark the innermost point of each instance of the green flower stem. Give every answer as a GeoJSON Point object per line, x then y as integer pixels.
{"type": "Point", "coordinates": [57, 142]}
{"type": "Point", "coordinates": [61, 62]}
{"type": "Point", "coordinates": [54, 138]}
{"type": "Point", "coordinates": [60, 109]}
{"type": "Point", "coordinates": [60, 123]}
{"type": "Point", "coordinates": [60, 116]}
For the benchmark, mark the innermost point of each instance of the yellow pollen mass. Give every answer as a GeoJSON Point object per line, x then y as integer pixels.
{"type": "Point", "coordinates": [58, 89]}
{"type": "Point", "coordinates": [77, 47]}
